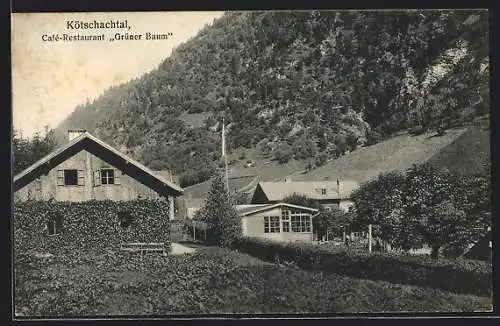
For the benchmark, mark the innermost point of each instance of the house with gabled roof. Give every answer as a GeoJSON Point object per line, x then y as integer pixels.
{"type": "Point", "coordinates": [86, 168]}
{"type": "Point", "coordinates": [328, 193]}
{"type": "Point", "coordinates": [279, 221]}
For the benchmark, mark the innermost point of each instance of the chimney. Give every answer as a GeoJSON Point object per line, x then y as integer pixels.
{"type": "Point", "coordinates": [73, 133]}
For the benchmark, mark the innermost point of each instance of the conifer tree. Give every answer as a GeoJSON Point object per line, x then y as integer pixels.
{"type": "Point", "coordinates": [223, 222]}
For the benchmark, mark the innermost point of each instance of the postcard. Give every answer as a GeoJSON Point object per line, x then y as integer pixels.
{"type": "Point", "coordinates": [256, 164]}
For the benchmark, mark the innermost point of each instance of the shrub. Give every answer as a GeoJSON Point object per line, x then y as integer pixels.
{"type": "Point", "coordinates": [461, 276]}
{"type": "Point", "coordinates": [334, 221]}
{"type": "Point", "coordinates": [283, 153]}
{"type": "Point", "coordinates": [304, 148]}
{"type": "Point", "coordinates": [194, 177]}
{"type": "Point", "coordinates": [91, 225]}
{"type": "Point", "coordinates": [373, 137]}
{"type": "Point", "coordinates": [321, 159]}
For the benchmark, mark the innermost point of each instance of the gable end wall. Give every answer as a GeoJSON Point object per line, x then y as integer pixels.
{"type": "Point", "coordinates": [45, 186]}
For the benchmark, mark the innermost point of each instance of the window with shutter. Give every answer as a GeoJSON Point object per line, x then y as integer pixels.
{"type": "Point", "coordinates": [68, 177]}
{"type": "Point", "coordinates": [118, 173]}
{"type": "Point", "coordinates": [97, 178]}
{"type": "Point", "coordinates": [81, 177]}
{"type": "Point", "coordinates": [60, 177]}
{"type": "Point", "coordinates": [71, 177]}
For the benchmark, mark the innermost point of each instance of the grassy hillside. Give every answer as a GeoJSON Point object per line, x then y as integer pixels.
{"type": "Point", "coordinates": [201, 190]}
{"type": "Point", "coordinates": [397, 153]}
{"type": "Point", "coordinates": [470, 153]}
{"type": "Point", "coordinates": [305, 85]}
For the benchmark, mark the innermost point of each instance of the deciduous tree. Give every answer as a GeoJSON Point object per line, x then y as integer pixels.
{"type": "Point", "coordinates": [427, 205]}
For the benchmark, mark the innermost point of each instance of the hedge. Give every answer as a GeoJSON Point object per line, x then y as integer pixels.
{"type": "Point", "coordinates": [90, 225]}
{"type": "Point", "coordinates": [459, 276]}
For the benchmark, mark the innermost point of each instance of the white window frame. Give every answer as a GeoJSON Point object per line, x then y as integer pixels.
{"type": "Point", "coordinates": [300, 222]}
{"type": "Point", "coordinates": [272, 224]}
{"type": "Point", "coordinates": [105, 176]}
{"type": "Point", "coordinates": [285, 221]}
{"type": "Point", "coordinates": [101, 175]}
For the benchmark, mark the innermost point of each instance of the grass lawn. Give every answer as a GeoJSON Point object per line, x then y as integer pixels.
{"type": "Point", "coordinates": [212, 280]}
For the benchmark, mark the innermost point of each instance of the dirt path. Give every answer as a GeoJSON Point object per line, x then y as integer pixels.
{"type": "Point", "coordinates": [178, 249]}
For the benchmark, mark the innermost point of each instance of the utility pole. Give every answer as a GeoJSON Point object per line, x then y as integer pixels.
{"type": "Point", "coordinates": [369, 238]}
{"type": "Point", "coordinates": [225, 156]}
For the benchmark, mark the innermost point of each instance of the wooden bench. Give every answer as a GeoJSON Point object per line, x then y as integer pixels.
{"type": "Point", "coordinates": [144, 247]}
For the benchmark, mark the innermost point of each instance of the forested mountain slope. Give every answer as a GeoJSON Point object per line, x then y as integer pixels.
{"type": "Point", "coordinates": [297, 85]}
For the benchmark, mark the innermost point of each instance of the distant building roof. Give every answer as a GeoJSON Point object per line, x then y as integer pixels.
{"type": "Point", "coordinates": [276, 191]}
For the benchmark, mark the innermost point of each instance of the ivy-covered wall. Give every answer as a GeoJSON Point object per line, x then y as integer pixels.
{"type": "Point", "coordinates": [90, 225]}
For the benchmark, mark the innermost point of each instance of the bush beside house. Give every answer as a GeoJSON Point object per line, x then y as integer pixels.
{"type": "Point", "coordinates": [57, 227]}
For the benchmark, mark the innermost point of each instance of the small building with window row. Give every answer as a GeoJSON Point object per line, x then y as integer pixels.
{"type": "Point", "coordinates": [85, 169]}
{"type": "Point", "coordinates": [280, 221]}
